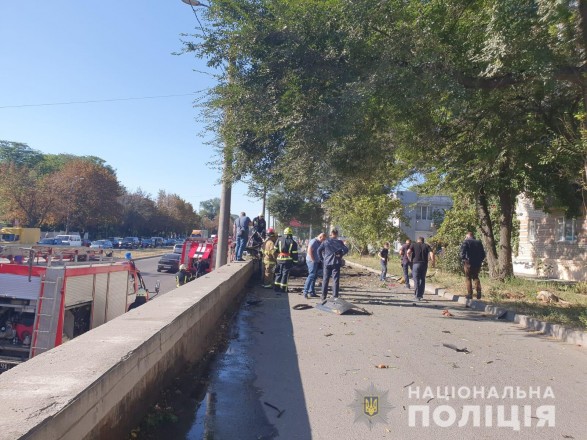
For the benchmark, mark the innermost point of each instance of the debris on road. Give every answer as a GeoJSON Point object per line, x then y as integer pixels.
{"type": "Point", "coordinates": [340, 306]}
{"type": "Point", "coordinates": [411, 383]}
{"type": "Point", "coordinates": [548, 297]}
{"type": "Point", "coordinates": [279, 412]}
{"type": "Point", "coordinates": [381, 366]}
{"type": "Point", "coordinates": [329, 334]}
{"type": "Point", "coordinates": [455, 348]}
{"type": "Point", "coordinates": [302, 307]}
{"type": "Point", "coordinates": [446, 331]}
{"type": "Point", "coordinates": [446, 313]}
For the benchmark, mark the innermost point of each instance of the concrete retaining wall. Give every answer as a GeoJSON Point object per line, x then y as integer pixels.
{"type": "Point", "coordinates": [99, 385]}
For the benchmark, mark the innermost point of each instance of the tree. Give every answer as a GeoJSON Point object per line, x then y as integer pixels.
{"type": "Point", "coordinates": [364, 211]}
{"type": "Point", "coordinates": [486, 97]}
{"type": "Point", "coordinates": [210, 208]}
{"type": "Point", "coordinates": [86, 195]}
{"type": "Point", "coordinates": [26, 197]}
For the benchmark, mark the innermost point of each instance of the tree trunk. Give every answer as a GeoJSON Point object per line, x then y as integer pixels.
{"type": "Point", "coordinates": [487, 236]}
{"type": "Point", "coordinates": [506, 203]}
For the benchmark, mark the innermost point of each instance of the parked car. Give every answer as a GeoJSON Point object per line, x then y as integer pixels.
{"type": "Point", "coordinates": [116, 241]}
{"type": "Point", "coordinates": [70, 239]}
{"type": "Point", "coordinates": [147, 243]}
{"type": "Point", "coordinates": [157, 241]}
{"type": "Point", "coordinates": [177, 248]}
{"type": "Point", "coordinates": [169, 263]}
{"type": "Point", "coordinates": [169, 242]}
{"type": "Point", "coordinates": [130, 243]}
{"type": "Point", "coordinates": [102, 244]}
{"type": "Point", "coordinates": [50, 242]}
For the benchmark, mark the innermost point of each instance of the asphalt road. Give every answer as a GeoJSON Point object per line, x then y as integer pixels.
{"type": "Point", "coordinates": [307, 374]}
{"type": "Point", "coordinates": [148, 268]}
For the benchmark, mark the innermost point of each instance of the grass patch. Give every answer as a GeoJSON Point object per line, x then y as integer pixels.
{"type": "Point", "coordinates": [517, 294]}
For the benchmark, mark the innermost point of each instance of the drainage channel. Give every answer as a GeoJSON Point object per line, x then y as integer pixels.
{"type": "Point", "coordinates": [216, 399]}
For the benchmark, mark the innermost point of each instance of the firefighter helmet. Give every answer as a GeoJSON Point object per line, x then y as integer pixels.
{"type": "Point", "coordinates": [271, 232]}
{"type": "Point", "coordinates": [182, 267]}
{"type": "Point", "coordinates": [261, 214]}
{"type": "Point", "coordinates": [287, 231]}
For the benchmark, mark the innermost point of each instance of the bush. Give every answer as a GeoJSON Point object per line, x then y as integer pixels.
{"type": "Point", "coordinates": [449, 260]}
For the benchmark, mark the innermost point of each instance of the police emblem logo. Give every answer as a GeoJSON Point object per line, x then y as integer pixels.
{"type": "Point", "coordinates": [371, 405]}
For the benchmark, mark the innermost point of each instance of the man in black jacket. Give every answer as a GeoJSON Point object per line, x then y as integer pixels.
{"type": "Point", "coordinates": [331, 251]}
{"type": "Point", "coordinates": [420, 253]}
{"type": "Point", "coordinates": [472, 256]}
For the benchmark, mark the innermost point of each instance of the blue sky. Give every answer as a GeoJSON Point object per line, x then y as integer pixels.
{"type": "Point", "coordinates": [63, 51]}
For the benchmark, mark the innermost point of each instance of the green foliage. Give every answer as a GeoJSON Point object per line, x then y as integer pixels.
{"type": "Point", "coordinates": [457, 221]}
{"type": "Point", "coordinates": [364, 211]}
{"type": "Point", "coordinates": [449, 260]}
{"type": "Point", "coordinates": [484, 97]}
{"type": "Point", "coordinates": [210, 208]}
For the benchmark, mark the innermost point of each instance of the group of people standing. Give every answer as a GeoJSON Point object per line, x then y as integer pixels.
{"type": "Point", "coordinates": [416, 256]}
{"type": "Point", "coordinates": [281, 253]}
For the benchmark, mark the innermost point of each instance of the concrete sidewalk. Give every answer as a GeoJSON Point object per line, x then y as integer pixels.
{"type": "Point", "coordinates": [318, 367]}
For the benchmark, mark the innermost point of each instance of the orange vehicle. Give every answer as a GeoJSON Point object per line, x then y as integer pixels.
{"type": "Point", "coordinates": [43, 306]}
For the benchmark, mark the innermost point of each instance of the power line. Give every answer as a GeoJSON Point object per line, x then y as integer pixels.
{"type": "Point", "coordinates": [100, 100]}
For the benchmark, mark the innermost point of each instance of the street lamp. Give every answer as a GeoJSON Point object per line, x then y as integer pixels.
{"type": "Point", "coordinates": [226, 189]}
{"type": "Point", "coordinates": [194, 3]}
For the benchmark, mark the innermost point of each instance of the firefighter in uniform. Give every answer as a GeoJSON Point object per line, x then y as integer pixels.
{"type": "Point", "coordinates": [269, 258]}
{"type": "Point", "coordinates": [183, 276]}
{"type": "Point", "coordinates": [287, 256]}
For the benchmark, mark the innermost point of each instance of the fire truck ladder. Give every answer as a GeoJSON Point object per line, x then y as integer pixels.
{"type": "Point", "coordinates": [45, 326]}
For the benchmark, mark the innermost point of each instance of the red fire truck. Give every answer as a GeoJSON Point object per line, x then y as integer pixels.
{"type": "Point", "coordinates": [42, 306]}
{"type": "Point", "coordinates": [199, 250]}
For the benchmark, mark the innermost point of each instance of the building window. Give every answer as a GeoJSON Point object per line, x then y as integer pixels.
{"type": "Point", "coordinates": [532, 227]}
{"type": "Point", "coordinates": [566, 229]}
{"type": "Point", "coordinates": [423, 213]}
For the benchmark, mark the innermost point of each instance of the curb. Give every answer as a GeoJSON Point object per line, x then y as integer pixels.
{"type": "Point", "coordinates": [556, 331]}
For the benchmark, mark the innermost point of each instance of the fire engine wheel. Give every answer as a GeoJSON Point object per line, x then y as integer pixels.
{"type": "Point", "coordinates": [158, 269]}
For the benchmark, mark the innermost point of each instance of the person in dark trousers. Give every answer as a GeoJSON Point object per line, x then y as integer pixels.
{"type": "Point", "coordinates": [241, 232]}
{"type": "Point", "coordinates": [287, 256]}
{"type": "Point", "coordinates": [332, 250]}
{"type": "Point", "coordinates": [406, 262]}
{"type": "Point", "coordinates": [312, 261]}
{"type": "Point", "coordinates": [472, 256]}
{"type": "Point", "coordinates": [420, 253]}
{"type": "Point", "coordinates": [384, 257]}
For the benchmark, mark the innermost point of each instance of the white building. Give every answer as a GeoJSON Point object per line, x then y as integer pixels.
{"type": "Point", "coordinates": [551, 244]}
{"type": "Point", "coordinates": [419, 214]}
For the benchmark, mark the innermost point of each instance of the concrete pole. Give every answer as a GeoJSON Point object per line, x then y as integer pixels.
{"type": "Point", "coordinates": [224, 219]}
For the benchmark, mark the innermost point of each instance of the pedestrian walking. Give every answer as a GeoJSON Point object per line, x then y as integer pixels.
{"type": "Point", "coordinates": [287, 256]}
{"type": "Point", "coordinates": [384, 257]}
{"type": "Point", "coordinates": [420, 253]}
{"type": "Point", "coordinates": [331, 251]}
{"type": "Point", "coordinates": [269, 258]}
{"type": "Point", "coordinates": [472, 256]}
{"type": "Point", "coordinates": [406, 262]}
{"type": "Point", "coordinates": [241, 232]}
{"type": "Point", "coordinates": [312, 261]}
